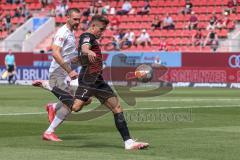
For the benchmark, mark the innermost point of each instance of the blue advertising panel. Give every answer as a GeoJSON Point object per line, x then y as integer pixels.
{"type": "Point", "coordinates": [29, 73]}
{"type": "Point", "coordinates": [167, 59]}
{"type": "Point", "coordinates": [126, 59]}
{"type": "Point", "coordinates": [123, 59]}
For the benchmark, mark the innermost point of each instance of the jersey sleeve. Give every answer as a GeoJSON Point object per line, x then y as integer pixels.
{"type": "Point", "coordinates": [86, 39]}
{"type": "Point", "coordinates": [59, 39]}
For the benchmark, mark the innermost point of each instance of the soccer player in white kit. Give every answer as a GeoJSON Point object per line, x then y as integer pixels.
{"type": "Point", "coordinates": [64, 52]}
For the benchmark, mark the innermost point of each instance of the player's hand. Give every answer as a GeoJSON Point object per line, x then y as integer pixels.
{"type": "Point", "coordinates": [73, 75]}
{"type": "Point", "coordinates": [92, 57]}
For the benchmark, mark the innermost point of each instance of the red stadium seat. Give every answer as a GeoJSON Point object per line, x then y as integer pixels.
{"type": "Point", "coordinates": [37, 6]}
{"type": "Point", "coordinates": [155, 41]}
{"type": "Point", "coordinates": [136, 23]}
{"type": "Point", "coordinates": [3, 34]}
{"type": "Point", "coordinates": [154, 3]}
{"type": "Point", "coordinates": [222, 33]}
{"type": "Point", "coordinates": [15, 20]}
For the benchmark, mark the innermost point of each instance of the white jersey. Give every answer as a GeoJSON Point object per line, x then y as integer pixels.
{"type": "Point", "coordinates": [65, 39]}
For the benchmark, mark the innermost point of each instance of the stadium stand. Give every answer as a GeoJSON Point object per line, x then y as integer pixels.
{"type": "Point", "coordinates": [177, 39]}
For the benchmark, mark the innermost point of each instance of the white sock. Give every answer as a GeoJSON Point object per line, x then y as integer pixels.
{"type": "Point", "coordinates": [61, 114]}
{"type": "Point", "coordinates": [56, 121]}
{"type": "Point", "coordinates": [58, 105]}
{"type": "Point", "coordinates": [46, 85]}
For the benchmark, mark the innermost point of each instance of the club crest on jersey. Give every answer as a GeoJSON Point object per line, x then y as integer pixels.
{"type": "Point", "coordinates": [87, 39]}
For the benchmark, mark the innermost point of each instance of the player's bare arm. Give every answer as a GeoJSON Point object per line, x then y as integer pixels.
{"type": "Point", "coordinates": [91, 55]}
{"type": "Point", "coordinates": [59, 59]}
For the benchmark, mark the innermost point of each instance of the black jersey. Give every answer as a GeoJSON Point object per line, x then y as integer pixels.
{"type": "Point", "coordinates": [90, 72]}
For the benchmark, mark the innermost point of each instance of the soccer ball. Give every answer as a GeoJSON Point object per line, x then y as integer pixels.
{"type": "Point", "coordinates": [144, 73]}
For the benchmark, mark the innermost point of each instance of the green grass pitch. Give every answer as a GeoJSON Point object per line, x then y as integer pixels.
{"type": "Point", "coordinates": [186, 124]}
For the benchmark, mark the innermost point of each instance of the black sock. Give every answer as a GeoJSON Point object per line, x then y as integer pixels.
{"type": "Point", "coordinates": [122, 126]}
{"type": "Point", "coordinates": [65, 97]}
{"type": "Point", "coordinates": [10, 78]}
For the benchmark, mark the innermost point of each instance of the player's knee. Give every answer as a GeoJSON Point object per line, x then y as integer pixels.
{"type": "Point", "coordinates": [77, 105]}
{"type": "Point", "coordinates": [117, 109]}
{"type": "Point", "coordinates": [76, 108]}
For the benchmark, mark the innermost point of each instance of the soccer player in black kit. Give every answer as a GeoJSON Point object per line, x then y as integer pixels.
{"type": "Point", "coordinates": [91, 82]}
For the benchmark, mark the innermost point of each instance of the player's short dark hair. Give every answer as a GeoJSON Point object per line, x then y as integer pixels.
{"type": "Point", "coordinates": [71, 10]}
{"type": "Point", "coordinates": [99, 18]}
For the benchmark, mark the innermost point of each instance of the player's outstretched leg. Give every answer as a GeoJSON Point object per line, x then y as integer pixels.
{"type": "Point", "coordinates": [121, 124]}
{"type": "Point", "coordinates": [42, 83]}
{"type": "Point", "coordinates": [57, 114]}
{"type": "Point", "coordinates": [51, 110]}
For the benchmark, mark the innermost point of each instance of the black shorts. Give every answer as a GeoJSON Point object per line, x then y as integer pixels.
{"type": "Point", "coordinates": [102, 91]}
{"type": "Point", "coordinates": [10, 68]}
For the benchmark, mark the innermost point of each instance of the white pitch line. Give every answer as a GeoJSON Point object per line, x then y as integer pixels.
{"type": "Point", "coordinates": [20, 114]}
{"type": "Point", "coordinates": [187, 100]}
{"type": "Point", "coordinates": [130, 109]}
{"type": "Point", "coordinates": [177, 100]}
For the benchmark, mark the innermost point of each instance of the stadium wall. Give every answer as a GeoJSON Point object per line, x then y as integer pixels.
{"type": "Point", "coordinates": [14, 40]}
{"type": "Point", "coordinates": [180, 67]}
{"type": "Point", "coordinates": [40, 28]}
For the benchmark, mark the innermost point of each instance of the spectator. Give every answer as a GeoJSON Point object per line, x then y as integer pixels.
{"type": "Point", "coordinates": [99, 8]}
{"type": "Point", "coordinates": [118, 39]}
{"type": "Point", "coordinates": [128, 39]}
{"type": "Point", "coordinates": [168, 22]}
{"type": "Point", "coordinates": [193, 21]}
{"type": "Point", "coordinates": [95, 8]}
{"type": "Point", "coordinates": [8, 22]}
{"type": "Point", "coordinates": [44, 3]}
{"type": "Point", "coordinates": [146, 8]}
{"type": "Point", "coordinates": [163, 46]}
{"type": "Point", "coordinates": [114, 23]}
{"type": "Point", "coordinates": [112, 10]}
{"type": "Point", "coordinates": [84, 23]}
{"type": "Point", "coordinates": [9, 1]}
{"type": "Point", "coordinates": [223, 22]}
{"type": "Point", "coordinates": [212, 22]}
{"type": "Point", "coordinates": [61, 9]}
{"type": "Point", "coordinates": [17, 12]}
{"type": "Point", "coordinates": [22, 2]}
{"type": "Point", "coordinates": [198, 38]}
{"type": "Point", "coordinates": [126, 8]}
{"type": "Point", "coordinates": [106, 8]}
{"type": "Point", "coordinates": [17, 1]}
{"type": "Point", "coordinates": [156, 24]}
{"type": "Point", "coordinates": [231, 6]}
{"type": "Point", "coordinates": [144, 39]}
{"type": "Point", "coordinates": [22, 12]}
{"type": "Point", "coordinates": [25, 12]}
{"type": "Point", "coordinates": [212, 40]}
{"type": "Point", "coordinates": [188, 7]}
